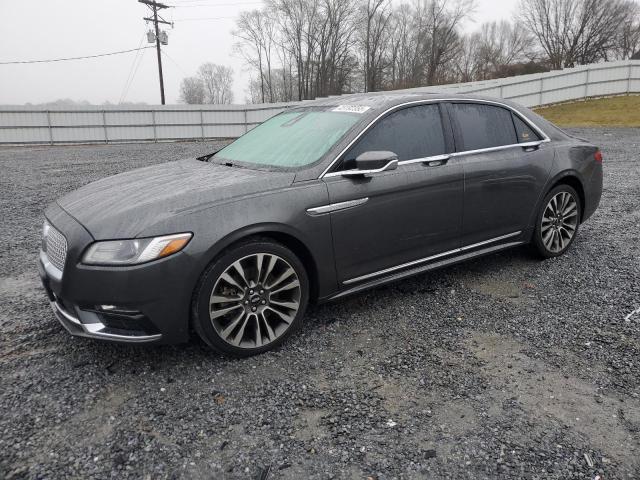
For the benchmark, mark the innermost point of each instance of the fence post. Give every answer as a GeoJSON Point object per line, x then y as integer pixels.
{"type": "Point", "coordinates": [155, 134]}
{"type": "Point", "coordinates": [50, 129]}
{"type": "Point", "coordinates": [104, 126]}
{"type": "Point", "coordinates": [586, 85]}
{"type": "Point", "coordinates": [246, 123]}
{"type": "Point", "coordinates": [202, 125]}
{"type": "Point", "coordinates": [501, 91]}
{"type": "Point", "coordinates": [541, 90]}
{"type": "Point", "coordinates": [629, 77]}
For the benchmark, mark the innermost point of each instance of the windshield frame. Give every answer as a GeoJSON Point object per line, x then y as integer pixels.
{"type": "Point", "coordinates": [276, 168]}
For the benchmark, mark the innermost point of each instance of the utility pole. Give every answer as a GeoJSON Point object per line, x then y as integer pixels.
{"type": "Point", "coordinates": [155, 6]}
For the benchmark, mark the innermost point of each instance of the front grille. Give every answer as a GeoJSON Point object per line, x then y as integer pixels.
{"type": "Point", "coordinates": [56, 248]}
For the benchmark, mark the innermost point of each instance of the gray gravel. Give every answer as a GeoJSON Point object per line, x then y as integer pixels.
{"type": "Point", "coordinates": [505, 367]}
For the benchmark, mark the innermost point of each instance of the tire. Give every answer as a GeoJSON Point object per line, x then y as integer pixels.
{"type": "Point", "coordinates": [251, 298]}
{"type": "Point", "coordinates": [557, 222]}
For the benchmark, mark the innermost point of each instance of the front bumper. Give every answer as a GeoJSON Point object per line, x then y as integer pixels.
{"type": "Point", "coordinates": [146, 303]}
{"type": "Point", "coordinates": [91, 326]}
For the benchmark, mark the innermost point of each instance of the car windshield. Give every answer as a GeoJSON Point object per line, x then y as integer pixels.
{"type": "Point", "coordinates": [290, 139]}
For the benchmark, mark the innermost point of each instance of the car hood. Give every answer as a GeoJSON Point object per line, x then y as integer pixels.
{"type": "Point", "coordinates": [124, 205]}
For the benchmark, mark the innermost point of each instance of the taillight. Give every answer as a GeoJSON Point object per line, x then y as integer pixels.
{"type": "Point", "coordinates": [598, 156]}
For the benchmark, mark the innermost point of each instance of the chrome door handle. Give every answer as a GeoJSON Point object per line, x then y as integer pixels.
{"type": "Point", "coordinates": [437, 162]}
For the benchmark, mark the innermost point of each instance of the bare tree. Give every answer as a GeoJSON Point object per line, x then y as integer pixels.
{"type": "Point", "coordinates": [575, 31]}
{"type": "Point", "coordinates": [374, 38]}
{"type": "Point", "coordinates": [628, 39]}
{"type": "Point", "coordinates": [192, 91]}
{"type": "Point", "coordinates": [255, 30]}
{"type": "Point", "coordinates": [497, 45]}
{"type": "Point", "coordinates": [218, 82]}
{"type": "Point", "coordinates": [302, 49]}
{"type": "Point", "coordinates": [280, 90]}
{"type": "Point", "coordinates": [442, 40]}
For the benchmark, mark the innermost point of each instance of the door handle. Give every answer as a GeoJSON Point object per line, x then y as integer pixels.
{"type": "Point", "coordinates": [438, 161]}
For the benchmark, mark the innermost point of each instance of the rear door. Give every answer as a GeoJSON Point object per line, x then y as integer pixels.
{"type": "Point", "coordinates": [505, 168]}
{"type": "Point", "coordinates": [406, 214]}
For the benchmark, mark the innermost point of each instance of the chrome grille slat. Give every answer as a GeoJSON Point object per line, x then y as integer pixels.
{"type": "Point", "coordinates": [56, 249]}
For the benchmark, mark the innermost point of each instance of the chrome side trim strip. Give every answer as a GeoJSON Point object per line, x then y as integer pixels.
{"type": "Point", "coordinates": [432, 257]}
{"type": "Point", "coordinates": [334, 207]}
{"type": "Point", "coordinates": [97, 329]}
{"type": "Point", "coordinates": [491, 240]}
{"type": "Point", "coordinates": [423, 268]}
{"type": "Point", "coordinates": [545, 137]}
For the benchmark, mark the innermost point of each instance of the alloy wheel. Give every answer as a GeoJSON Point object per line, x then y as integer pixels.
{"type": "Point", "coordinates": [559, 222]}
{"type": "Point", "coordinates": [255, 300]}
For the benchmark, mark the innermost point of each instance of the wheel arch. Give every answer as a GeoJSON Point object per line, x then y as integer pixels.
{"type": "Point", "coordinates": [283, 234]}
{"type": "Point", "coordinates": [572, 179]}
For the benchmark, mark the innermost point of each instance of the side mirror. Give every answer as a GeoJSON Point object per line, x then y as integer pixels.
{"type": "Point", "coordinates": [373, 162]}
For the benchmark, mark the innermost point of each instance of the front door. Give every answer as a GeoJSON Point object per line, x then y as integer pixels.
{"type": "Point", "coordinates": [400, 216]}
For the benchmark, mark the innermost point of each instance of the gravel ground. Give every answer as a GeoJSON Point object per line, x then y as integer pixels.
{"type": "Point", "coordinates": [504, 367]}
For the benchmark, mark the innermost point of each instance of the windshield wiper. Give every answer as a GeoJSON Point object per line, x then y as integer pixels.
{"type": "Point", "coordinates": [207, 157]}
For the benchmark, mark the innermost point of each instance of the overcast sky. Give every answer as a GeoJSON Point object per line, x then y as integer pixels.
{"type": "Point", "coordinates": [45, 29]}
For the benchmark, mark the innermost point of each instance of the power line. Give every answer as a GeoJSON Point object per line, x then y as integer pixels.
{"type": "Point", "coordinates": [205, 5]}
{"type": "Point", "coordinates": [200, 18]}
{"type": "Point", "coordinates": [131, 69]}
{"type": "Point", "coordinates": [73, 58]}
{"type": "Point", "coordinates": [164, 52]}
{"type": "Point", "coordinates": [135, 71]}
{"type": "Point", "coordinates": [182, 2]}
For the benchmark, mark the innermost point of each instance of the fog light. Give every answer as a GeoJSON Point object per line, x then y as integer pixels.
{"type": "Point", "coordinates": [115, 310]}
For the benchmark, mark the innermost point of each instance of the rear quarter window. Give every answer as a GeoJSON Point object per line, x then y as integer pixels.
{"type": "Point", "coordinates": [524, 132]}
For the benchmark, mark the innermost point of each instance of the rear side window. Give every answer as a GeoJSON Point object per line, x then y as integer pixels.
{"type": "Point", "coordinates": [483, 126]}
{"type": "Point", "coordinates": [524, 132]}
{"type": "Point", "coordinates": [414, 132]}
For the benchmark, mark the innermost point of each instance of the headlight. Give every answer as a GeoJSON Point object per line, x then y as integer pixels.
{"type": "Point", "coordinates": [135, 251]}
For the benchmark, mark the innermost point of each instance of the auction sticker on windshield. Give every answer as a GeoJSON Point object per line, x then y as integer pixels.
{"type": "Point", "coordinates": [351, 108]}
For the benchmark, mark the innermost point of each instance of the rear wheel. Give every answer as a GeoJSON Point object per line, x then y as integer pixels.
{"type": "Point", "coordinates": [557, 222]}
{"type": "Point", "coordinates": [251, 298]}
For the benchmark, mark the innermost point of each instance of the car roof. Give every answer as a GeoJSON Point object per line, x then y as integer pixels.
{"type": "Point", "coordinates": [384, 100]}
{"type": "Point", "coordinates": [379, 102]}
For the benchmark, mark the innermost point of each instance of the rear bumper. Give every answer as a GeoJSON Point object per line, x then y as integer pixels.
{"type": "Point", "coordinates": [593, 192]}
{"type": "Point", "coordinates": [147, 303]}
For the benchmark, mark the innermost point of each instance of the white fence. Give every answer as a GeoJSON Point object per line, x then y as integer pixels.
{"type": "Point", "coordinates": [107, 124]}
{"type": "Point", "coordinates": [538, 89]}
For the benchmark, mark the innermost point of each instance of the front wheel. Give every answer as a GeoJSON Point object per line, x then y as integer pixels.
{"type": "Point", "coordinates": [251, 298]}
{"type": "Point", "coordinates": [557, 222]}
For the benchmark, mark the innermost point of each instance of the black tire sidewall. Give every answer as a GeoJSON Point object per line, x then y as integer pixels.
{"type": "Point", "coordinates": [200, 306]}
{"type": "Point", "coordinates": [537, 237]}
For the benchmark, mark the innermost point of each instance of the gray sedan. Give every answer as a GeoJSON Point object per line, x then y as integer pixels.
{"type": "Point", "coordinates": [321, 201]}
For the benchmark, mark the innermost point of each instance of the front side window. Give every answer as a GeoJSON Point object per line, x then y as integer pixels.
{"type": "Point", "coordinates": [483, 126]}
{"type": "Point", "coordinates": [410, 133]}
{"type": "Point", "coordinates": [290, 139]}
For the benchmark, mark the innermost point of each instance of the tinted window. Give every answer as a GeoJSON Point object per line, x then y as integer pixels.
{"type": "Point", "coordinates": [414, 132]}
{"type": "Point", "coordinates": [483, 126]}
{"type": "Point", "coordinates": [525, 132]}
